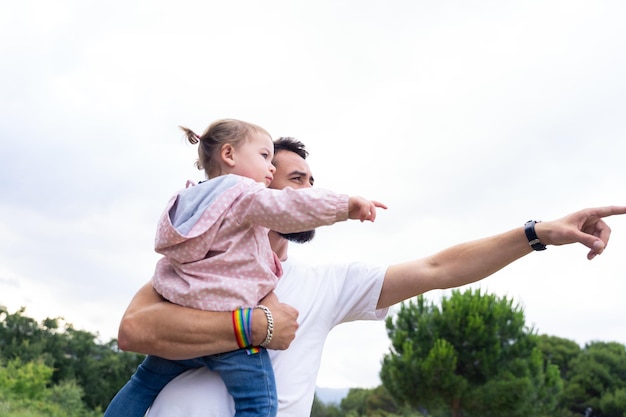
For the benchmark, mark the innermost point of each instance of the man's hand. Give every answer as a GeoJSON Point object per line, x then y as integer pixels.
{"type": "Point", "coordinates": [362, 209]}
{"type": "Point", "coordinates": [285, 323]}
{"type": "Point", "coordinates": [585, 226]}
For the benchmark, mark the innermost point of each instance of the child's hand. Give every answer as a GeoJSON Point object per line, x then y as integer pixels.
{"type": "Point", "coordinates": [362, 209]}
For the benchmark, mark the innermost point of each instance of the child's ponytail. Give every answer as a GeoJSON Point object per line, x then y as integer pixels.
{"type": "Point", "coordinates": [191, 136]}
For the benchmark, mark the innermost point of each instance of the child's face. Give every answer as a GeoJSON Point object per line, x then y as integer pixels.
{"type": "Point", "coordinates": [253, 158]}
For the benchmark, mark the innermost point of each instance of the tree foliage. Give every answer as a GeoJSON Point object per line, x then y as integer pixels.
{"type": "Point", "coordinates": [362, 402]}
{"type": "Point", "coordinates": [597, 381]}
{"type": "Point", "coordinates": [473, 355]}
{"type": "Point", "coordinates": [26, 390]}
{"type": "Point", "coordinates": [72, 357]}
{"type": "Point", "coordinates": [26, 380]}
{"type": "Point", "coordinates": [558, 351]}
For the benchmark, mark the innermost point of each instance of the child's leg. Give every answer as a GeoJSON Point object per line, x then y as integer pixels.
{"type": "Point", "coordinates": [250, 380]}
{"type": "Point", "coordinates": [140, 391]}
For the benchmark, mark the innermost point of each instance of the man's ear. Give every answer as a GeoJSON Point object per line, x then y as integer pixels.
{"type": "Point", "coordinates": [227, 154]}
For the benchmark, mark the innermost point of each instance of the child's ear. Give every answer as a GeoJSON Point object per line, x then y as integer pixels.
{"type": "Point", "coordinates": [227, 154]}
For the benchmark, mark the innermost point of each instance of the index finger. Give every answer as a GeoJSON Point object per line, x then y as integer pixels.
{"type": "Point", "coordinates": [608, 211]}
{"type": "Point", "coordinates": [379, 204]}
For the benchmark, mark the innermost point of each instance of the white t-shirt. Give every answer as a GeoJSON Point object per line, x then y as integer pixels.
{"type": "Point", "coordinates": [324, 296]}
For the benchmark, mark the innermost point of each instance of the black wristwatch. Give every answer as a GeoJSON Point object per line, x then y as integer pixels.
{"type": "Point", "coordinates": [533, 240]}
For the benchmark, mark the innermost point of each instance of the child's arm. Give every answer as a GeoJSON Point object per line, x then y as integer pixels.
{"type": "Point", "coordinates": [295, 210]}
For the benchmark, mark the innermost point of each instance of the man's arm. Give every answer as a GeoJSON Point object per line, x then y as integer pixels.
{"type": "Point", "coordinates": [154, 326]}
{"type": "Point", "coordinates": [472, 261]}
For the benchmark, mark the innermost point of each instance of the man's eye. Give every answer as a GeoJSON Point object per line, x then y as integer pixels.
{"type": "Point", "coordinates": [298, 179]}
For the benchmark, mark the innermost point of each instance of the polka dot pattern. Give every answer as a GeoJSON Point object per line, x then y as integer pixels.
{"type": "Point", "coordinates": [223, 260]}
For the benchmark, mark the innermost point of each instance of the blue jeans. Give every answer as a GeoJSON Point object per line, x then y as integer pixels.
{"type": "Point", "coordinates": [248, 378]}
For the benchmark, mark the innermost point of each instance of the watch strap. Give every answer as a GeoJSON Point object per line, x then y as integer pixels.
{"type": "Point", "coordinates": [531, 235]}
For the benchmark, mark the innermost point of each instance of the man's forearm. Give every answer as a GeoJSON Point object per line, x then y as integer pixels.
{"type": "Point", "coordinates": [473, 261]}
{"type": "Point", "coordinates": [152, 325]}
{"type": "Point", "coordinates": [453, 267]}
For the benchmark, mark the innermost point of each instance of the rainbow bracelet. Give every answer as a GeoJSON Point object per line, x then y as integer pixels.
{"type": "Point", "coordinates": [242, 325]}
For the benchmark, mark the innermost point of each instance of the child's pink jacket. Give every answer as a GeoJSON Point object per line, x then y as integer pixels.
{"type": "Point", "coordinates": [213, 236]}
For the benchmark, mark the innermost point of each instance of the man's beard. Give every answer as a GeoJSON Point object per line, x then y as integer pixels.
{"type": "Point", "coordinates": [299, 237]}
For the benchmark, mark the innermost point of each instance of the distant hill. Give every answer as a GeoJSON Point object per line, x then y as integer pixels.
{"type": "Point", "coordinates": [331, 395]}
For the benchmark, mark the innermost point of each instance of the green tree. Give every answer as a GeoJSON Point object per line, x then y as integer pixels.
{"type": "Point", "coordinates": [376, 402]}
{"type": "Point", "coordinates": [613, 404]}
{"type": "Point", "coordinates": [379, 400]}
{"type": "Point", "coordinates": [27, 380]}
{"type": "Point", "coordinates": [320, 409]}
{"type": "Point", "coordinates": [100, 369]}
{"type": "Point", "coordinates": [558, 351]}
{"type": "Point", "coordinates": [597, 380]}
{"type": "Point", "coordinates": [21, 336]}
{"type": "Point", "coordinates": [473, 355]}
{"type": "Point", "coordinates": [26, 391]}
{"type": "Point", "coordinates": [354, 403]}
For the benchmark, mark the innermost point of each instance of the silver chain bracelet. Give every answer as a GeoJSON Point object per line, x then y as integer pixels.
{"type": "Point", "coordinates": [270, 325]}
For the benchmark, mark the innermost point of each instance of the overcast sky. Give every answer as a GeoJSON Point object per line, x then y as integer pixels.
{"type": "Point", "coordinates": [466, 117]}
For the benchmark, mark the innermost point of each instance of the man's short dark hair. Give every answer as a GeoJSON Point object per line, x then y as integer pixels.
{"type": "Point", "coordinates": [286, 143]}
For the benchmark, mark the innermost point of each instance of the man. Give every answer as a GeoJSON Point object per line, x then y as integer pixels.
{"type": "Point", "coordinates": [320, 298]}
